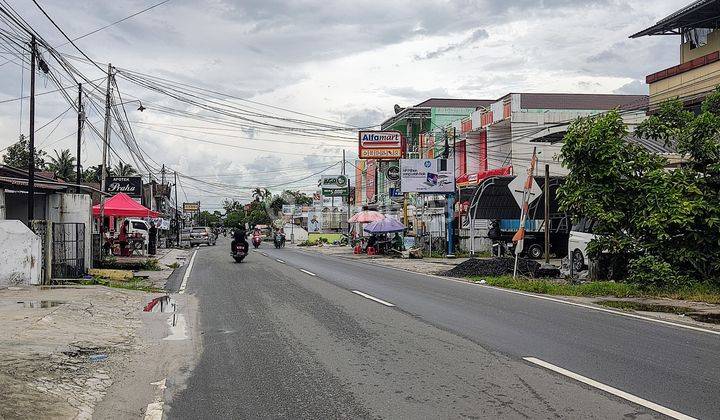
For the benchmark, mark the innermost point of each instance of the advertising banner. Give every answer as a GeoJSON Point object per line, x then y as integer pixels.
{"type": "Point", "coordinates": [429, 176]}
{"type": "Point", "coordinates": [315, 219]}
{"type": "Point", "coordinates": [288, 209]}
{"type": "Point", "coordinates": [380, 145]}
{"type": "Point", "coordinates": [130, 185]}
{"type": "Point", "coordinates": [334, 185]}
{"type": "Point", "coordinates": [191, 207]}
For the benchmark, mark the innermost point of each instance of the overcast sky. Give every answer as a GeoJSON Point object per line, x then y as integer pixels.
{"type": "Point", "coordinates": [345, 61]}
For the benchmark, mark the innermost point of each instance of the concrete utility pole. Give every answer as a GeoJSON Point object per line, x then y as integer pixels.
{"type": "Point", "coordinates": [177, 217]}
{"type": "Point", "coordinates": [347, 199]}
{"type": "Point", "coordinates": [31, 145]}
{"type": "Point", "coordinates": [547, 214]}
{"type": "Point", "coordinates": [80, 119]}
{"type": "Point", "coordinates": [106, 144]}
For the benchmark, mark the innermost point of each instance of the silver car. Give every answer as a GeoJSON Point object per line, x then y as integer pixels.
{"type": "Point", "coordinates": [202, 235]}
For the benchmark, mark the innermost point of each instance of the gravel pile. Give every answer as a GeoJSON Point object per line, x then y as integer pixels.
{"type": "Point", "coordinates": [494, 267]}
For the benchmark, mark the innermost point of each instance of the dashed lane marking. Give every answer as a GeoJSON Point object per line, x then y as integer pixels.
{"type": "Point", "coordinates": [279, 260]}
{"type": "Point", "coordinates": [607, 388]}
{"type": "Point", "coordinates": [308, 272]}
{"type": "Point", "coordinates": [365, 295]}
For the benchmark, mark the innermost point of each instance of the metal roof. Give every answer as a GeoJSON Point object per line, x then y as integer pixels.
{"type": "Point", "coordinates": [699, 14]}
{"type": "Point", "coordinates": [584, 101]}
{"type": "Point", "coordinates": [455, 103]}
{"type": "Point", "coordinates": [19, 182]}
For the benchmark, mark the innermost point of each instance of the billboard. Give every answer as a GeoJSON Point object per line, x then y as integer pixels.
{"type": "Point", "coordinates": [380, 144]}
{"type": "Point", "coordinates": [130, 185]}
{"type": "Point", "coordinates": [191, 207]}
{"type": "Point", "coordinates": [334, 185]}
{"type": "Point", "coordinates": [430, 176]}
{"type": "Point", "coordinates": [314, 221]}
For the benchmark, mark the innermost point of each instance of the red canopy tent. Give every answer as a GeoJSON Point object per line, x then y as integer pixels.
{"type": "Point", "coordinates": [121, 205]}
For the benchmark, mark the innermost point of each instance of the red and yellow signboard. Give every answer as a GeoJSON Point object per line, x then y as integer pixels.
{"type": "Point", "coordinates": [384, 145]}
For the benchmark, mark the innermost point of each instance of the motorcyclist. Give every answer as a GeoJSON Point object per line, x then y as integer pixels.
{"type": "Point", "coordinates": [280, 236]}
{"type": "Point", "coordinates": [239, 236]}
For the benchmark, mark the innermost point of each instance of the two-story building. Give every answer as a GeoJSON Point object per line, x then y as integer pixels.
{"type": "Point", "coordinates": [698, 73]}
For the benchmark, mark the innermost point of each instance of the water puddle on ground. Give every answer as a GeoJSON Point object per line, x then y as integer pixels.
{"type": "Point", "coordinates": [711, 318]}
{"type": "Point", "coordinates": [161, 304]}
{"type": "Point", "coordinates": [30, 304]}
{"type": "Point", "coordinates": [178, 328]}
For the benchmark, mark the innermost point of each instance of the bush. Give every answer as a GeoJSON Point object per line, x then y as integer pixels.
{"type": "Point", "coordinates": [650, 271]}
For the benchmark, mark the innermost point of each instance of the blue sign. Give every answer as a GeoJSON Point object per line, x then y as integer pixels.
{"type": "Point", "coordinates": [395, 192]}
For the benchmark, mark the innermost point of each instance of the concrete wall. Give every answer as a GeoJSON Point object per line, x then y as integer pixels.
{"type": "Point", "coordinates": [2, 204]}
{"type": "Point", "coordinates": [73, 208]}
{"type": "Point", "coordinates": [499, 145]}
{"type": "Point", "coordinates": [713, 44]}
{"type": "Point", "coordinates": [695, 82]}
{"type": "Point", "coordinates": [20, 255]}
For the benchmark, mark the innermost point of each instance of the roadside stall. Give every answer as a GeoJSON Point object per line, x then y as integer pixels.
{"type": "Point", "coordinates": [127, 233]}
{"type": "Point", "coordinates": [380, 231]}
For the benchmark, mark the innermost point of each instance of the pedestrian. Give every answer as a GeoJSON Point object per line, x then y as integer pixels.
{"type": "Point", "coordinates": [123, 238]}
{"type": "Point", "coordinates": [152, 239]}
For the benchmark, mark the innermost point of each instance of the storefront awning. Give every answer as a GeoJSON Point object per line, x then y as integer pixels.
{"type": "Point", "coordinates": [121, 205]}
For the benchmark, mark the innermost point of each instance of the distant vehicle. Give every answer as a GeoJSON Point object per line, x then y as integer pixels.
{"type": "Point", "coordinates": [580, 236]}
{"type": "Point", "coordinates": [279, 240]}
{"type": "Point", "coordinates": [239, 252]}
{"type": "Point", "coordinates": [502, 232]}
{"type": "Point", "coordinates": [201, 235]}
{"type": "Point", "coordinates": [138, 226]}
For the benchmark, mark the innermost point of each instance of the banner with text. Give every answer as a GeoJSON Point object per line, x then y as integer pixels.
{"type": "Point", "coordinates": [429, 176]}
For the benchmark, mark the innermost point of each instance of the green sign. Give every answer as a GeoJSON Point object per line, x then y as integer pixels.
{"type": "Point", "coordinates": [335, 186]}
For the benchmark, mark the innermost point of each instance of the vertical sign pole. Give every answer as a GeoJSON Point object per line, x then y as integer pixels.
{"type": "Point", "coordinates": [31, 146]}
{"type": "Point", "coordinates": [547, 214]}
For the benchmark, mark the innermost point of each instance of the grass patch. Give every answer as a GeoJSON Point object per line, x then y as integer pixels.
{"type": "Point", "coordinates": [699, 292]}
{"type": "Point", "coordinates": [174, 265]}
{"type": "Point", "coordinates": [637, 306]}
{"type": "Point", "coordinates": [135, 283]}
{"type": "Point", "coordinates": [148, 264]}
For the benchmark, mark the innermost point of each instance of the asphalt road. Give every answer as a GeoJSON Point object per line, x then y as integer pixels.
{"type": "Point", "coordinates": [278, 342]}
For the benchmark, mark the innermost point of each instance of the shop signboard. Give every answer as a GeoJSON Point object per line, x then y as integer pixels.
{"type": "Point", "coordinates": [191, 207]}
{"type": "Point", "coordinates": [315, 221]}
{"type": "Point", "coordinates": [334, 185]}
{"type": "Point", "coordinates": [393, 173]}
{"type": "Point", "coordinates": [288, 209]}
{"type": "Point", "coordinates": [380, 145]}
{"type": "Point", "coordinates": [429, 176]}
{"type": "Point", "coordinates": [130, 185]}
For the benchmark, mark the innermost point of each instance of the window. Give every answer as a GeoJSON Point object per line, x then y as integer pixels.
{"type": "Point", "coordinates": [697, 37]}
{"type": "Point", "coordinates": [139, 225]}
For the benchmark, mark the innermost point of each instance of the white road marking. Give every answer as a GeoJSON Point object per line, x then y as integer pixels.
{"type": "Point", "coordinates": [279, 260]}
{"type": "Point", "coordinates": [183, 285]}
{"type": "Point", "coordinates": [154, 410]}
{"type": "Point", "coordinates": [552, 299]}
{"type": "Point", "coordinates": [614, 391]}
{"type": "Point", "coordinates": [365, 295]}
{"type": "Point", "coordinates": [308, 273]}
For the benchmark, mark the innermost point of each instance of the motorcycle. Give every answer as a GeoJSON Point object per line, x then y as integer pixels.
{"type": "Point", "coordinates": [256, 240]}
{"type": "Point", "coordinates": [279, 240]}
{"type": "Point", "coordinates": [239, 253]}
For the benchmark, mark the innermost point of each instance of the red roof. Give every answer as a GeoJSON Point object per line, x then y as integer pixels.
{"type": "Point", "coordinates": [121, 205]}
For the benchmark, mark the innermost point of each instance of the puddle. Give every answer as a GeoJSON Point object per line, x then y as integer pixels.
{"type": "Point", "coordinates": [177, 328]}
{"type": "Point", "coordinates": [161, 304]}
{"type": "Point", "coordinates": [710, 318]}
{"type": "Point", "coordinates": [32, 304]}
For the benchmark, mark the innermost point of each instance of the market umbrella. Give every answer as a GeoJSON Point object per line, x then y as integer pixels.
{"type": "Point", "coordinates": [385, 226]}
{"type": "Point", "coordinates": [366, 216]}
{"type": "Point", "coordinates": [122, 205]}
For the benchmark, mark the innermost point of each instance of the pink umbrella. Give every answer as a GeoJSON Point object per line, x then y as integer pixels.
{"type": "Point", "coordinates": [366, 216]}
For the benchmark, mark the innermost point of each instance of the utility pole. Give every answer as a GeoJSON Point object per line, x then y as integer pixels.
{"type": "Point", "coordinates": [450, 198]}
{"type": "Point", "coordinates": [347, 198]}
{"type": "Point", "coordinates": [106, 144]}
{"type": "Point", "coordinates": [177, 217]}
{"type": "Point", "coordinates": [547, 213]}
{"type": "Point", "coordinates": [31, 160]}
{"type": "Point", "coordinates": [81, 117]}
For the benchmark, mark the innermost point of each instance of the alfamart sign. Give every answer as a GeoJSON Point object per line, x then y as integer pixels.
{"type": "Point", "coordinates": [380, 144]}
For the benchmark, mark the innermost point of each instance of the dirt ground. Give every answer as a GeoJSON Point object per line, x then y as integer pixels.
{"type": "Point", "coordinates": [66, 349]}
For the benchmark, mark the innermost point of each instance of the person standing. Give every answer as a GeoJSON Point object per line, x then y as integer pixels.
{"type": "Point", "coordinates": [123, 238]}
{"type": "Point", "coordinates": [152, 239]}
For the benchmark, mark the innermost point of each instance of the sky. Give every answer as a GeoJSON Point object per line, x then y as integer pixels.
{"type": "Point", "coordinates": [344, 63]}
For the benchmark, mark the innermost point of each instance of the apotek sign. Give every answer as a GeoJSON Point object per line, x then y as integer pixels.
{"type": "Point", "coordinates": [380, 144]}
{"type": "Point", "coordinates": [427, 176]}
{"type": "Point", "coordinates": [334, 185]}
{"type": "Point", "coordinates": [130, 185]}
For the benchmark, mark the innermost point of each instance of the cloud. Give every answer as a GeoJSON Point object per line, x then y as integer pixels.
{"type": "Point", "coordinates": [477, 35]}
{"type": "Point", "coordinates": [413, 95]}
{"type": "Point", "coordinates": [636, 87]}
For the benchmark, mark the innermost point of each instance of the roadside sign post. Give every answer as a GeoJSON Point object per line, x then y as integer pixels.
{"type": "Point", "coordinates": [530, 192]}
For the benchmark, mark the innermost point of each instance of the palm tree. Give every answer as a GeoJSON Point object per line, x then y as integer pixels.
{"type": "Point", "coordinates": [260, 193]}
{"type": "Point", "coordinates": [92, 174]}
{"type": "Point", "coordinates": [124, 169]}
{"type": "Point", "coordinates": [62, 165]}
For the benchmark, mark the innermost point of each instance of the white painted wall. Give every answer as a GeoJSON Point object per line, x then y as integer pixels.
{"type": "Point", "coordinates": [20, 256]}
{"type": "Point", "coordinates": [298, 233]}
{"type": "Point", "coordinates": [73, 208]}
{"type": "Point", "coordinates": [499, 145]}
{"type": "Point", "coordinates": [2, 205]}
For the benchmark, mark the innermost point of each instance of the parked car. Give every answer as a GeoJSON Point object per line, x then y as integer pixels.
{"type": "Point", "coordinates": [138, 226]}
{"type": "Point", "coordinates": [580, 236]}
{"type": "Point", "coordinates": [202, 235]}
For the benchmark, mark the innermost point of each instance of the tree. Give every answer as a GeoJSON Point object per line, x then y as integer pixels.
{"type": "Point", "coordinates": [62, 165]}
{"type": "Point", "coordinates": [124, 169]}
{"type": "Point", "coordinates": [92, 174]}
{"type": "Point", "coordinates": [18, 155]}
{"type": "Point", "coordinates": [259, 194]}
{"type": "Point", "coordinates": [209, 219]}
{"type": "Point", "coordinates": [234, 219]}
{"type": "Point", "coordinates": [277, 204]}
{"type": "Point", "coordinates": [661, 226]}
{"type": "Point", "coordinates": [232, 205]}
{"type": "Point", "coordinates": [299, 198]}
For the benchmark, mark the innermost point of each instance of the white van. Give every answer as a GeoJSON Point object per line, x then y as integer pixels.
{"type": "Point", "coordinates": [580, 236]}
{"type": "Point", "coordinates": [138, 226]}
